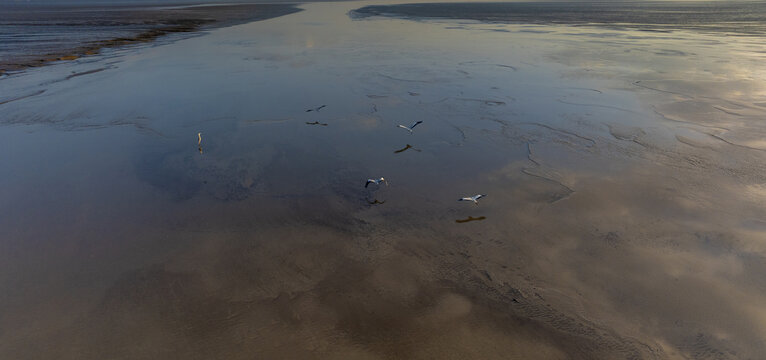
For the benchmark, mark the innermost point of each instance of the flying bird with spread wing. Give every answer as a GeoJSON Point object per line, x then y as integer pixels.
{"type": "Point", "coordinates": [474, 198]}
{"type": "Point", "coordinates": [409, 128]}
{"type": "Point", "coordinates": [317, 108]}
{"type": "Point", "coordinates": [376, 182]}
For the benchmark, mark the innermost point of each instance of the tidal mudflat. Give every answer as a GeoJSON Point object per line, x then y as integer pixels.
{"type": "Point", "coordinates": [33, 34]}
{"type": "Point", "coordinates": [624, 168]}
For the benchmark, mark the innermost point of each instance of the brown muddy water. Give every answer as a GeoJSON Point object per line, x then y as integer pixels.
{"type": "Point", "coordinates": [624, 173]}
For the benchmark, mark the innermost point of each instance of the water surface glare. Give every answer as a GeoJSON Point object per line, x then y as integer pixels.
{"type": "Point", "coordinates": [180, 201]}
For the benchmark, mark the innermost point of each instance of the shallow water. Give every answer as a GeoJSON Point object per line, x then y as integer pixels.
{"type": "Point", "coordinates": [624, 173]}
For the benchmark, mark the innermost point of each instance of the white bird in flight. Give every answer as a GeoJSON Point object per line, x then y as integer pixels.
{"type": "Point", "coordinates": [376, 182]}
{"type": "Point", "coordinates": [474, 198]}
{"type": "Point", "coordinates": [409, 128]}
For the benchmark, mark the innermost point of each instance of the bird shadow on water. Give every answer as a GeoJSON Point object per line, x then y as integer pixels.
{"type": "Point", "coordinates": [469, 219]}
{"type": "Point", "coordinates": [407, 148]}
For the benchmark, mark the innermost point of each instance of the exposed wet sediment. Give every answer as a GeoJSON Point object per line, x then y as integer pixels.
{"type": "Point", "coordinates": [140, 24]}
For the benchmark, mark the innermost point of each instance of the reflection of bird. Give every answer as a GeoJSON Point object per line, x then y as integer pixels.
{"type": "Point", "coordinates": [375, 181]}
{"type": "Point", "coordinates": [409, 128]}
{"type": "Point", "coordinates": [474, 198]}
{"type": "Point", "coordinates": [316, 123]}
{"type": "Point", "coordinates": [199, 142]}
{"type": "Point", "coordinates": [406, 148]}
{"type": "Point", "coordinates": [316, 108]}
{"type": "Point", "coordinates": [469, 219]}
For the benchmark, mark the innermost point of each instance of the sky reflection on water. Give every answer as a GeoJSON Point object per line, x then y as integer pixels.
{"type": "Point", "coordinates": [625, 170]}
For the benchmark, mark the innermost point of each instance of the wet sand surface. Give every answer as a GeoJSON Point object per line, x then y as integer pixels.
{"type": "Point", "coordinates": [33, 35]}
{"type": "Point", "coordinates": [735, 17]}
{"type": "Point", "coordinates": [624, 172]}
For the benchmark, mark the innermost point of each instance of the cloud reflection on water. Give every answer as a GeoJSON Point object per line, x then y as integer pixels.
{"type": "Point", "coordinates": [622, 226]}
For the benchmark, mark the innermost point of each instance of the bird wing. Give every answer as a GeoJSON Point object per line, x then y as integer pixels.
{"type": "Point", "coordinates": [403, 127]}
{"type": "Point", "coordinates": [416, 124]}
{"type": "Point", "coordinates": [464, 199]}
{"type": "Point", "coordinates": [368, 183]}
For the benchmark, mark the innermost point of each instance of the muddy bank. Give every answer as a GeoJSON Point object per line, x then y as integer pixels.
{"type": "Point", "coordinates": [37, 35]}
{"type": "Point", "coordinates": [738, 17]}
